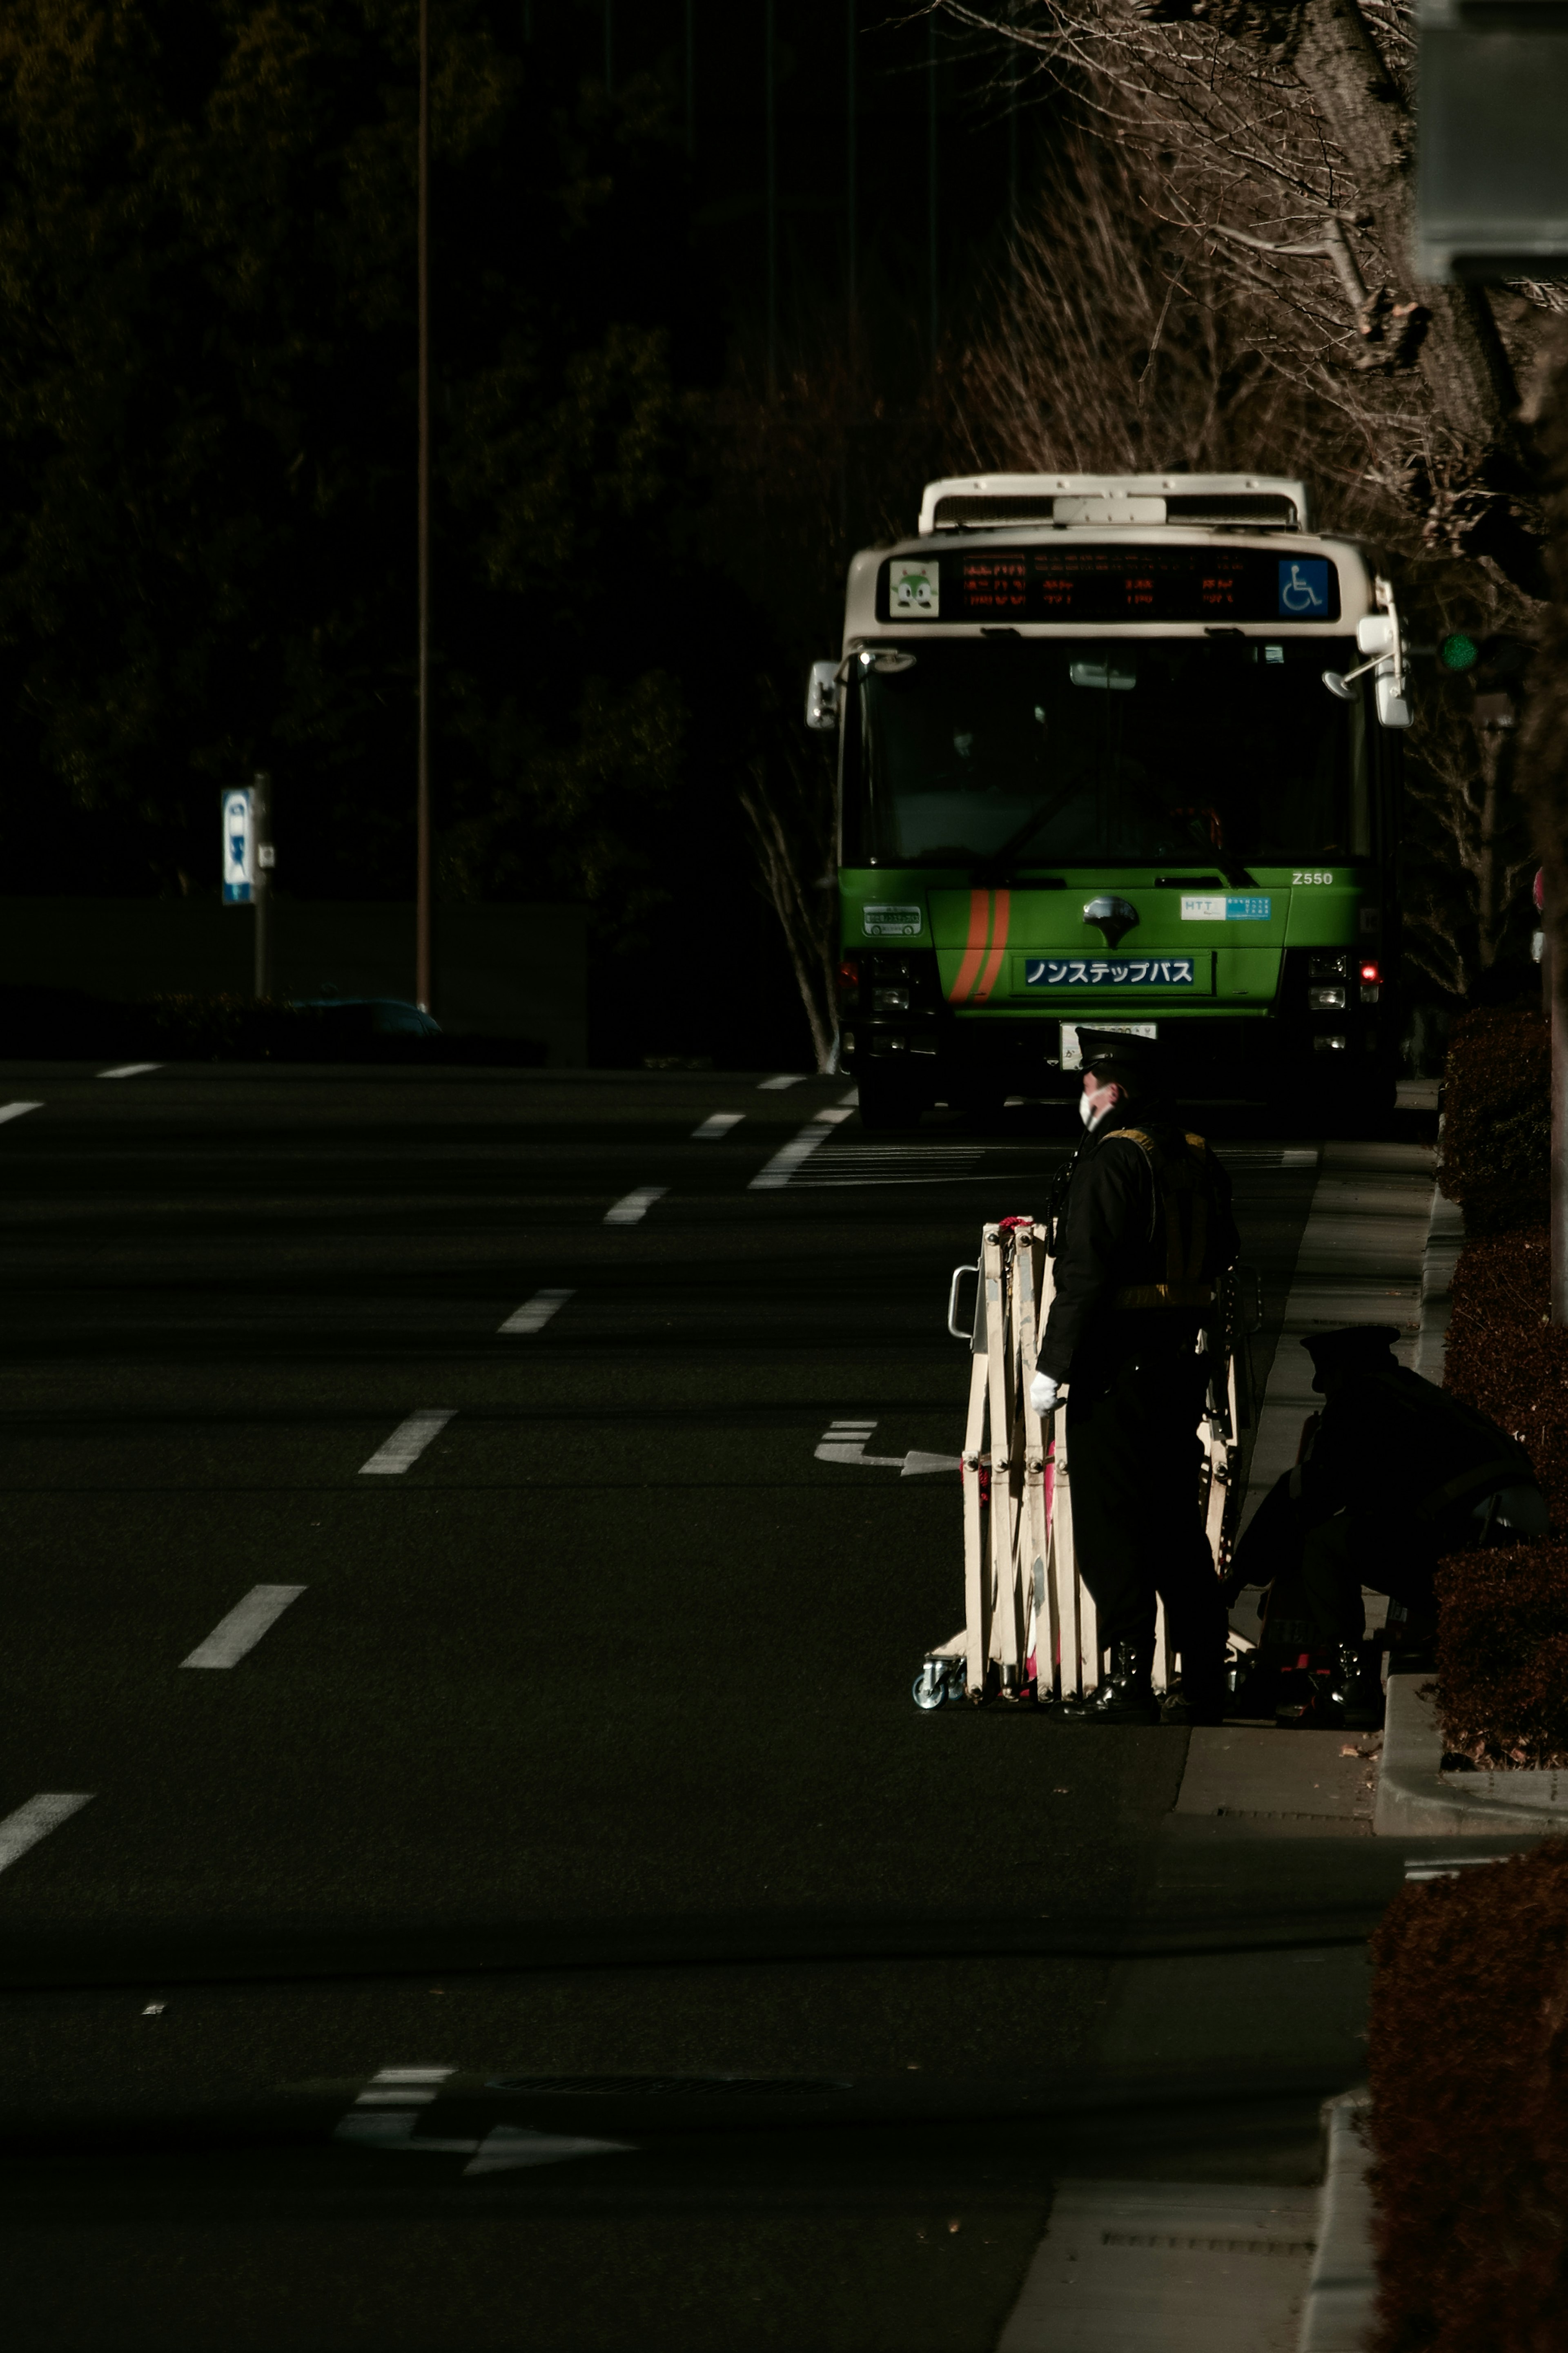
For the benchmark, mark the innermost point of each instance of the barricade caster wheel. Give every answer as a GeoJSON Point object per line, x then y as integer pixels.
{"type": "Point", "coordinates": [929, 1687]}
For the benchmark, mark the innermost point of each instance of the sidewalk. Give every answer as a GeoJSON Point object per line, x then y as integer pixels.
{"type": "Point", "coordinates": [1127, 2267]}
{"type": "Point", "coordinates": [1361, 1260]}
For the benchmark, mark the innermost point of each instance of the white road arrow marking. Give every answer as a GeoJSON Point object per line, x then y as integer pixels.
{"type": "Point", "coordinates": [846, 1440]}
{"type": "Point", "coordinates": [511, 2144]}
{"type": "Point", "coordinates": [386, 2111]}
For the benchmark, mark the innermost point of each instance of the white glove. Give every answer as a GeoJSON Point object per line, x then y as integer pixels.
{"type": "Point", "coordinates": [1043, 1393]}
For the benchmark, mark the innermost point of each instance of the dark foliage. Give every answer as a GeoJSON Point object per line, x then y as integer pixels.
{"type": "Point", "coordinates": [1506, 1358]}
{"type": "Point", "coordinates": [207, 470]}
{"type": "Point", "coordinates": [1543, 764]}
{"type": "Point", "coordinates": [1496, 1126]}
{"type": "Point", "coordinates": [1469, 2062]}
{"type": "Point", "coordinates": [1502, 1655]}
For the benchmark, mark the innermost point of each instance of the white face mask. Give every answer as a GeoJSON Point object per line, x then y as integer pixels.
{"type": "Point", "coordinates": [1092, 1109]}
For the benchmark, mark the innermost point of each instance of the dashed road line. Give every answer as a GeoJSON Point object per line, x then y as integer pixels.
{"type": "Point", "coordinates": [633, 1208]}
{"type": "Point", "coordinates": [36, 1820]}
{"type": "Point", "coordinates": [535, 1313]}
{"type": "Point", "coordinates": [798, 1150]}
{"type": "Point", "coordinates": [14, 1110]}
{"type": "Point", "coordinates": [784, 1079]}
{"type": "Point", "coordinates": [129, 1070]}
{"type": "Point", "coordinates": [408, 1442]}
{"type": "Point", "coordinates": [719, 1125]}
{"type": "Point", "coordinates": [244, 1626]}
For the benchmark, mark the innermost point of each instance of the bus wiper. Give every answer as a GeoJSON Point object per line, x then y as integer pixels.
{"type": "Point", "coordinates": [990, 870]}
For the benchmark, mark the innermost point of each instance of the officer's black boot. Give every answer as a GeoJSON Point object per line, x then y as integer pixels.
{"type": "Point", "coordinates": [1311, 1696]}
{"type": "Point", "coordinates": [1363, 1686]}
{"type": "Point", "coordinates": [1125, 1698]}
{"type": "Point", "coordinates": [1196, 1699]}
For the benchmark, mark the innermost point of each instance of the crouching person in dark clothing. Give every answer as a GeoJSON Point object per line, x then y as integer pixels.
{"type": "Point", "coordinates": [1395, 1476]}
{"type": "Point", "coordinates": [1145, 1231]}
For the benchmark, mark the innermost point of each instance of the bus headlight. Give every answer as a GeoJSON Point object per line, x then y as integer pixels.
{"type": "Point", "coordinates": [1369, 992]}
{"type": "Point", "coordinates": [1330, 1045]}
{"type": "Point", "coordinates": [890, 1000]}
{"type": "Point", "coordinates": [1326, 1000]}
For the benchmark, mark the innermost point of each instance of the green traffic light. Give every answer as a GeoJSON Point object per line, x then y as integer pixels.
{"type": "Point", "coordinates": [1459, 653]}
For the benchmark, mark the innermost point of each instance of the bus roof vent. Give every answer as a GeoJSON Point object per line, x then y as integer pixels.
{"type": "Point", "coordinates": [992, 501]}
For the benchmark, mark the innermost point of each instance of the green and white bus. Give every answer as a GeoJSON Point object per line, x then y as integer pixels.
{"type": "Point", "coordinates": [1116, 749]}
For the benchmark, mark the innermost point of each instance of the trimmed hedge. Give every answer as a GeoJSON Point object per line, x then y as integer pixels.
{"type": "Point", "coordinates": [1469, 2062]}
{"type": "Point", "coordinates": [1502, 1655]}
{"type": "Point", "coordinates": [1502, 1616]}
{"type": "Point", "coordinates": [1505, 1357]}
{"type": "Point", "coordinates": [1497, 1118]}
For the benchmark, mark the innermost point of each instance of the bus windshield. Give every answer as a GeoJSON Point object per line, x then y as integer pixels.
{"type": "Point", "coordinates": [1078, 751]}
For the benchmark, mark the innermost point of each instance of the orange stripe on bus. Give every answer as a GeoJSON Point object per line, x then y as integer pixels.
{"type": "Point", "coordinates": [998, 943]}
{"type": "Point", "coordinates": [975, 949]}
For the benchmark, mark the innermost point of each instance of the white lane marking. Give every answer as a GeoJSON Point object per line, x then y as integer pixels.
{"type": "Point", "coordinates": [798, 1151]}
{"type": "Point", "coordinates": [784, 1079]}
{"type": "Point", "coordinates": [1297, 1160]}
{"type": "Point", "coordinates": [408, 1440]}
{"type": "Point", "coordinates": [244, 1626]}
{"type": "Point", "coordinates": [720, 1122]}
{"type": "Point", "coordinates": [1446, 1866]}
{"type": "Point", "coordinates": [919, 1465]}
{"type": "Point", "coordinates": [36, 1820]}
{"type": "Point", "coordinates": [633, 1208]}
{"type": "Point", "coordinates": [535, 1313]}
{"type": "Point", "coordinates": [852, 1098]}
{"type": "Point", "coordinates": [14, 1110]}
{"type": "Point", "coordinates": [129, 1070]}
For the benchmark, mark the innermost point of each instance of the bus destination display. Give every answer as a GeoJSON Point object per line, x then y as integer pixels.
{"type": "Point", "coordinates": [1013, 585]}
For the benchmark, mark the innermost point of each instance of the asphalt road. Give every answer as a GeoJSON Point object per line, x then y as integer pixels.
{"type": "Point", "coordinates": [574, 1761]}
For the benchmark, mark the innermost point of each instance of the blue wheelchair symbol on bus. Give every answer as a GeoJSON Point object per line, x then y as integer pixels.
{"type": "Point", "coordinates": [1303, 588]}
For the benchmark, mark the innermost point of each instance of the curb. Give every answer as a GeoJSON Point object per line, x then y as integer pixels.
{"type": "Point", "coordinates": [1342, 2288]}
{"type": "Point", "coordinates": [1445, 1240]}
{"type": "Point", "coordinates": [1415, 1798]}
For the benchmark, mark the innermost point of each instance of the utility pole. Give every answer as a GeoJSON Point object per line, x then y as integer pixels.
{"type": "Point", "coordinates": [772, 226]}
{"type": "Point", "coordinates": [266, 858]}
{"type": "Point", "coordinates": [851, 174]}
{"type": "Point", "coordinates": [422, 879]}
{"type": "Point", "coordinates": [1013, 148]}
{"type": "Point", "coordinates": [930, 177]}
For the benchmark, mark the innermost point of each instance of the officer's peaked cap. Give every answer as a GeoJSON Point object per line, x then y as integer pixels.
{"type": "Point", "coordinates": [1122, 1055]}
{"type": "Point", "coordinates": [1354, 1347]}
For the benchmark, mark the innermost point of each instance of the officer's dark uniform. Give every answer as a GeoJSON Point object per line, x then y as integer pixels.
{"type": "Point", "coordinates": [1146, 1229]}
{"type": "Point", "coordinates": [1396, 1475]}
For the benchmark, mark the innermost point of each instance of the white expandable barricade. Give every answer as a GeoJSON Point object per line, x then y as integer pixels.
{"type": "Point", "coordinates": [1029, 1620]}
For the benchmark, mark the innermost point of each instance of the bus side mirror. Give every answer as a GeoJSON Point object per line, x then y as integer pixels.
{"type": "Point", "coordinates": [1392, 707]}
{"type": "Point", "coordinates": [822, 697]}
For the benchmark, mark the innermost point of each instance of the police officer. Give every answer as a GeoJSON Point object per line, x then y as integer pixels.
{"type": "Point", "coordinates": [1395, 1474]}
{"type": "Point", "coordinates": [1145, 1230]}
